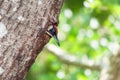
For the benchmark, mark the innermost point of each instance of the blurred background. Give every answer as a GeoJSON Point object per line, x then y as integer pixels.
{"type": "Point", "coordinates": [88, 31]}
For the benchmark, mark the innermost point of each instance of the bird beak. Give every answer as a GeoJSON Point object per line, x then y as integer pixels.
{"type": "Point", "coordinates": [57, 40]}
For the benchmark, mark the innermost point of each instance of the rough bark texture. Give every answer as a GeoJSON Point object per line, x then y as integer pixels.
{"type": "Point", "coordinates": [26, 22]}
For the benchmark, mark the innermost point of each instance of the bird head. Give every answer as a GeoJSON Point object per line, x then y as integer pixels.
{"type": "Point", "coordinates": [52, 32]}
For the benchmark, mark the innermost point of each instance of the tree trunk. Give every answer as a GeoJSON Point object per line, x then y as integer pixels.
{"type": "Point", "coordinates": [22, 33]}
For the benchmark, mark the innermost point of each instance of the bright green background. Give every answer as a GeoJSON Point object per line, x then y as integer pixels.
{"type": "Point", "coordinates": [88, 29]}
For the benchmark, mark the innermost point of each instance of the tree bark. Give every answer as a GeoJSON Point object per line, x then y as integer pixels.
{"type": "Point", "coordinates": [23, 24]}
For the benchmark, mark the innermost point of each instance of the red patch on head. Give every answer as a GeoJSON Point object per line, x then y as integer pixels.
{"type": "Point", "coordinates": [55, 26]}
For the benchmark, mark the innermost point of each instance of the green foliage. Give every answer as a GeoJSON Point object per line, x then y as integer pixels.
{"type": "Point", "coordinates": [88, 28]}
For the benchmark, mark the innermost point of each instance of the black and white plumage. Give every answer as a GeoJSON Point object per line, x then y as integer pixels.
{"type": "Point", "coordinates": [52, 32]}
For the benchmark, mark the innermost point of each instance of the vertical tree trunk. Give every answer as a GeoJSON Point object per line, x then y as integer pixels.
{"type": "Point", "coordinates": [22, 33]}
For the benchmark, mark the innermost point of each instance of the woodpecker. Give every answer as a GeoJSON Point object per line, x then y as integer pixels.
{"type": "Point", "coordinates": [52, 32]}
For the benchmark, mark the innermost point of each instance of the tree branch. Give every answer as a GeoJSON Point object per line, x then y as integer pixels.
{"type": "Point", "coordinates": [70, 59]}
